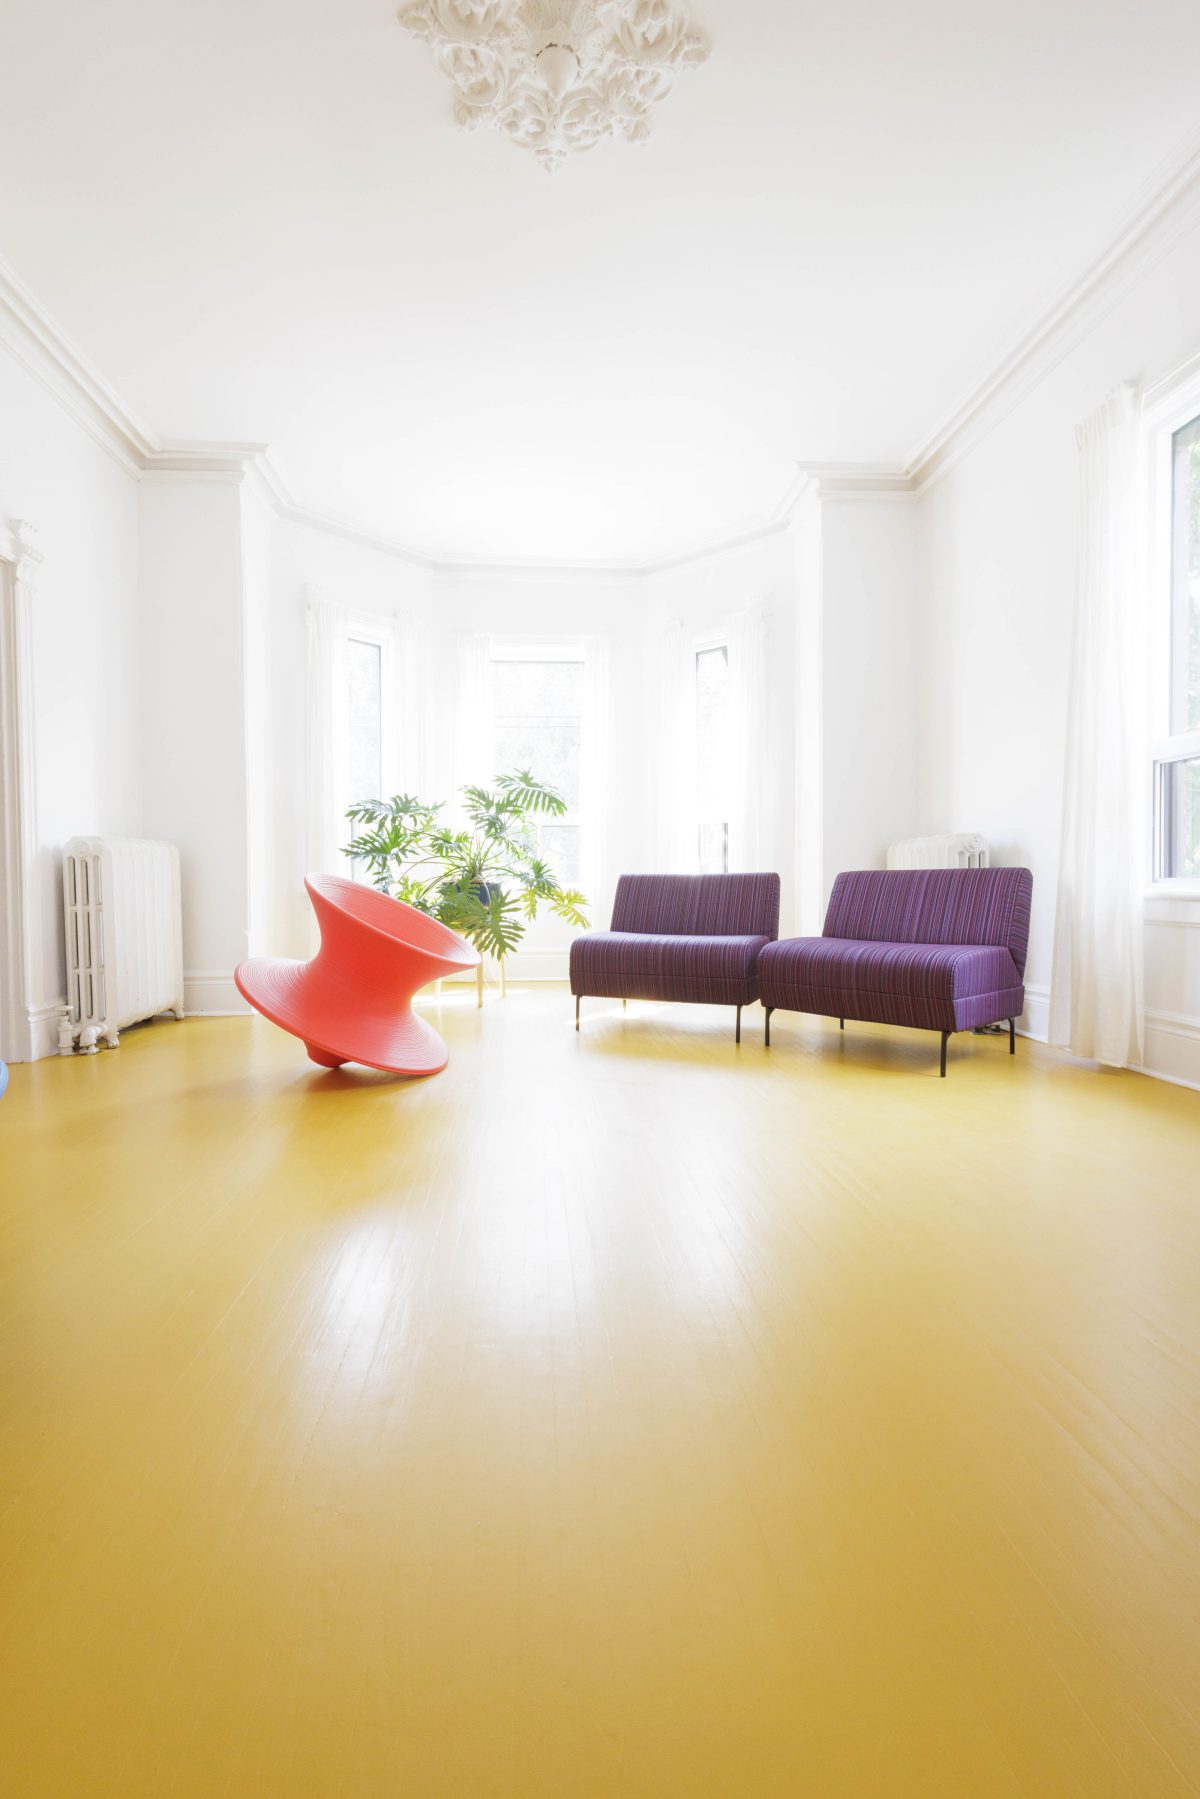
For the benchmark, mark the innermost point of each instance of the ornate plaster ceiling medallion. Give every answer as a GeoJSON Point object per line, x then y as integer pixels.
{"type": "Point", "coordinates": [557, 75]}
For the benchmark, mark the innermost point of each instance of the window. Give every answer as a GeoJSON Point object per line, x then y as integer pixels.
{"type": "Point", "coordinates": [1185, 578]}
{"type": "Point", "coordinates": [713, 758]}
{"type": "Point", "coordinates": [1177, 767]}
{"type": "Point", "coordinates": [537, 711]}
{"type": "Point", "coordinates": [364, 681]}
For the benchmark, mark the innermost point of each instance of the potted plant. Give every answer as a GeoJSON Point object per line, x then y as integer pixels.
{"type": "Point", "coordinates": [486, 881]}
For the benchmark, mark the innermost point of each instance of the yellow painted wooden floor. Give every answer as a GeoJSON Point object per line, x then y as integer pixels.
{"type": "Point", "coordinates": [614, 1415]}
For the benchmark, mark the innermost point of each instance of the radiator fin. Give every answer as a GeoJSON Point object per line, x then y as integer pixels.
{"type": "Point", "coordinates": [963, 849]}
{"type": "Point", "coordinates": [123, 933]}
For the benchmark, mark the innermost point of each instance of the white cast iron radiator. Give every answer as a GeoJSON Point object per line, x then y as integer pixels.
{"type": "Point", "coordinates": [965, 850]}
{"type": "Point", "coordinates": [124, 937]}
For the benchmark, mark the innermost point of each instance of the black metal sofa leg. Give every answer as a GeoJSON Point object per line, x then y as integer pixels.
{"type": "Point", "coordinates": [767, 1010]}
{"type": "Point", "coordinates": [1012, 1036]}
{"type": "Point", "coordinates": [945, 1040]}
{"type": "Point", "coordinates": [738, 1033]}
{"type": "Point", "coordinates": [576, 1011]}
{"type": "Point", "coordinates": [841, 1024]}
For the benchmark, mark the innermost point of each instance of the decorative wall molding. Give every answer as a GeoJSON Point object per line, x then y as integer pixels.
{"type": "Point", "coordinates": [43, 1022]}
{"type": "Point", "coordinates": [1166, 207]}
{"type": "Point", "coordinates": [212, 996]}
{"type": "Point", "coordinates": [42, 348]}
{"type": "Point", "coordinates": [557, 76]}
{"type": "Point", "coordinates": [1172, 1040]}
{"type": "Point", "coordinates": [1173, 1048]}
{"type": "Point", "coordinates": [1035, 1020]}
{"type": "Point", "coordinates": [19, 561]}
{"type": "Point", "coordinates": [852, 480]}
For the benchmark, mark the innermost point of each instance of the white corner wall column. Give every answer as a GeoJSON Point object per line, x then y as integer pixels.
{"type": "Point", "coordinates": [194, 720]}
{"type": "Point", "coordinates": [855, 741]}
{"type": "Point", "coordinates": [28, 1026]}
{"type": "Point", "coordinates": [807, 846]}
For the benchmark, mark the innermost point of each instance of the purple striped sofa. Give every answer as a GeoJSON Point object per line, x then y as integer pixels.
{"type": "Point", "coordinates": [941, 949]}
{"type": "Point", "coordinates": [680, 937]}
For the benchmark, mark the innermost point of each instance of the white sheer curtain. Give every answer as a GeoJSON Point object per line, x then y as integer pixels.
{"type": "Point", "coordinates": [751, 775]}
{"type": "Point", "coordinates": [1096, 986]}
{"type": "Point", "coordinates": [327, 734]}
{"type": "Point", "coordinates": [598, 878]}
{"type": "Point", "coordinates": [411, 685]}
{"type": "Point", "coordinates": [676, 850]}
{"type": "Point", "coordinates": [473, 748]}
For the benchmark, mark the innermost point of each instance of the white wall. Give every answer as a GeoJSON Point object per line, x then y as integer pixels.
{"type": "Point", "coordinates": [997, 560]}
{"type": "Point", "coordinates": [366, 580]}
{"type": "Point", "coordinates": [86, 655]}
{"type": "Point", "coordinates": [194, 719]}
{"type": "Point", "coordinates": [548, 608]}
{"type": "Point", "coordinates": [703, 595]}
{"type": "Point", "coordinates": [868, 659]}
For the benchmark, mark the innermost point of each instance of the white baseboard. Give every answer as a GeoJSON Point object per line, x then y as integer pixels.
{"type": "Point", "coordinates": [527, 965]}
{"type": "Point", "coordinates": [43, 1028]}
{"type": "Point", "coordinates": [1172, 1051]}
{"type": "Point", "coordinates": [212, 996]}
{"type": "Point", "coordinates": [1172, 1040]}
{"type": "Point", "coordinates": [1035, 1019]}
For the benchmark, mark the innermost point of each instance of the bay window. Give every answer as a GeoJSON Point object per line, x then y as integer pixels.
{"type": "Point", "coordinates": [1177, 756]}
{"type": "Point", "coordinates": [537, 698]}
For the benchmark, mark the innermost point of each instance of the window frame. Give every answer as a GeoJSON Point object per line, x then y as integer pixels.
{"type": "Point", "coordinates": [366, 627]}
{"type": "Point", "coordinates": [507, 648]}
{"type": "Point", "coordinates": [1169, 407]}
{"type": "Point", "coordinates": [704, 645]}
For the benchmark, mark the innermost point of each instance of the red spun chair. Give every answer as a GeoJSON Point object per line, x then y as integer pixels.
{"type": "Point", "coordinates": [353, 1001]}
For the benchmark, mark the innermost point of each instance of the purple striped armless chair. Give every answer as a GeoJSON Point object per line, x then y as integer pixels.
{"type": "Point", "coordinates": [680, 937]}
{"type": "Point", "coordinates": [941, 949]}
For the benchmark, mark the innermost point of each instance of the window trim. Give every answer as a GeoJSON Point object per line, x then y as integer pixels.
{"type": "Point", "coordinates": [1168, 407]}
{"type": "Point", "coordinates": [367, 627]}
{"type": "Point", "coordinates": [704, 644]}
{"type": "Point", "coordinates": [515, 648]}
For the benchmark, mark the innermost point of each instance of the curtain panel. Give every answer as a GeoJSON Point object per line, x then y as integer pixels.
{"type": "Point", "coordinates": [751, 786]}
{"type": "Point", "coordinates": [327, 748]}
{"type": "Point", "coordinates": [675, 841]}
{"type": "Point", "coordinates": [1096, 1004]}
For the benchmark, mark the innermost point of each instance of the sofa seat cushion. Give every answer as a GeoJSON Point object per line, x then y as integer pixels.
{"type": "Point", "coordinates": [936, 986]}
{"type": "Point", "coordinates": [715, 971]}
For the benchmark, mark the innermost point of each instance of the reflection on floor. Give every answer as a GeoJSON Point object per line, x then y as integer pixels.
{"type": "Point", "coordinates": [622, 1414]}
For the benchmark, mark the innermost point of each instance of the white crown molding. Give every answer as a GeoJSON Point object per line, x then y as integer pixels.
{"type": "Point", "coordinates": [854, 480]}
{"type": "Point", "coordinates": [34, 339]}
{"type": "Point", "coordinates": [1166, 206]}
{"type": "Point", "coordinates": [47, 353]}
{"type": "Point", "coordinates": [311, 520]}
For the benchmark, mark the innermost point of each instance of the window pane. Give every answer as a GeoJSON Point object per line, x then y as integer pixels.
{"type": "Point", "coordinates": [364, 663]}
{"type": "Point", "coordinates": [536, 724]}
{"type": "Point", "coordinates": [536, 713]}
{"type": "Point", "coordinates": [714, 849]}
{"type": "Point", "coordinates": [713, 759]}
{"type": "Point", "coordinates": [1185, 580]}
{"type": "Point", "coordinates": [558, 844]}
{"type": "Point", "coordinates": [1181, 819]}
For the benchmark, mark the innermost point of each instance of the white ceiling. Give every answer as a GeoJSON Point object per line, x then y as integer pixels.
{"type": "Point", "coordinates": [259, 223]}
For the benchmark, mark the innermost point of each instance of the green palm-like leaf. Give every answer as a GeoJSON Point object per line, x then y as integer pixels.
{"type": "Point", "coordinates": [524, 794]}
{"type": "Point", "coordinates": [485, 881]}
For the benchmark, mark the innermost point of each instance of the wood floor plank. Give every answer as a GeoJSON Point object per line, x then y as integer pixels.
{"type": "Point", "coordinates": [629, 1413]}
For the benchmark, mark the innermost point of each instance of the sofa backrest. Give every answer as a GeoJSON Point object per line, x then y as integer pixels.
{"type": "Point", "coordinates": [698, 905]}
{"type": "Point", "coordinates": [934, 905]}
